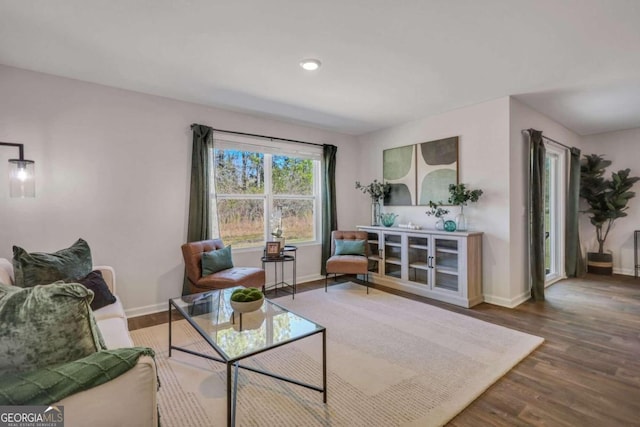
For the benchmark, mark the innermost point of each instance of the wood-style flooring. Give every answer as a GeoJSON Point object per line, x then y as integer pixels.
{"type": "Point", "coordinates": [587, 372]}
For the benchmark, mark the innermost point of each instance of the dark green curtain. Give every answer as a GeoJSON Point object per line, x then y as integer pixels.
{"type": "Point", "coordinates": [329, 209]}
{"type": "Point", "coordinates": [574, 264]}
{"type": "Point", "coordinates": [536, 214]}
{"type": "Point", "coordinates": [199, 225]}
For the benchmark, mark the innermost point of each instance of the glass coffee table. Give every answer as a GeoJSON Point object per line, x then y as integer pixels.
{"type": "Point", "coordinates": [235, 337]}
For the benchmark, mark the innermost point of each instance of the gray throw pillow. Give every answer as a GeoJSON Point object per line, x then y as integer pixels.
{"type": "Point", "coordinates": [216, 260]}
{"type": "Point", "coordinates": [39, 268]}
{"type": "Point", "coordinates": [46, 325]}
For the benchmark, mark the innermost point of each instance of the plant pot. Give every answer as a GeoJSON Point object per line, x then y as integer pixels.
{"type": "Point", "coordinates": [598, 263]}
{"type": "Point", "coordinates": [246, 307]}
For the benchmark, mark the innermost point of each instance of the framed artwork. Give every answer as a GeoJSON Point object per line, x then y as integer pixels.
{"type": "Point", "coordinates": [420, 172]}
{"type": "Point", "coordinates": [273, 249]}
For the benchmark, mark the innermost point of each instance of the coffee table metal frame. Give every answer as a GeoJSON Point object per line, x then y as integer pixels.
{"type": "Point", "coordinates": [233, 364]}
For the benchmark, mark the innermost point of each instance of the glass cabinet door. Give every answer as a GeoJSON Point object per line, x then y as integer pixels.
{"type": "Point", "coordinates": [445, 264]}
{"type": "Point", "coordinates": [373, 240]}
{"type": "Point", "coordinates": [419, 254]}
{"type": "Point", "coordinates": [392, 255]}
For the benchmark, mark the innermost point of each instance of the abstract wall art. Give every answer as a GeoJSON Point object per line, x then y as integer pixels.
{"type": "Point", "coordinates": [420, 172]}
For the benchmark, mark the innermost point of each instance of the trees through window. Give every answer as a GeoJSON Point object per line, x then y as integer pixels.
{"type": "Point", "coordinates": [253, 186]}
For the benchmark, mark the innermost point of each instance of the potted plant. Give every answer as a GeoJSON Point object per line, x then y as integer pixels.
{"type": "Point", "coordinates": [436, 209]}
{"type": "Point", "coordinates": [607, 200]}
{"type": "Point", "coordinates": [460, 195]}
{"type": "Point", "coordinates": [376, 190]}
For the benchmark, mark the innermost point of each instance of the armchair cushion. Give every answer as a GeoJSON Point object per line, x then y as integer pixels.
{"type": "Point", "coordinates": [237, 276]}
{"type": "Point", "coordinates": [39, 268]}
{"type": "Point", "coordinates": [216, 260]}
{"type": "Point", "coordinates": [350, 247]}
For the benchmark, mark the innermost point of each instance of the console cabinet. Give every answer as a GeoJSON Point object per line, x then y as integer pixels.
{"type": "Point", "coordinates": [439, 265]}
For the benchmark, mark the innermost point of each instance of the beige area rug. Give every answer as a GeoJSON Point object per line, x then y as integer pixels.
{"type": "Point", "coordinates": [391, 362]}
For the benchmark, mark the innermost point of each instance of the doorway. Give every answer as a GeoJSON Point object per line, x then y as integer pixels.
{"type": "Point", "coordinates": [554, 210]}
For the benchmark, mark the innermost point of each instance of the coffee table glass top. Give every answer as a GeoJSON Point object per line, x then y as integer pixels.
{"type": "Point", "coordinates": [270, 326]}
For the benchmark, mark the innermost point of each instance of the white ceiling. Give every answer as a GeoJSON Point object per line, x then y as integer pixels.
{"type": "Point", "coordinates": [385, 62]}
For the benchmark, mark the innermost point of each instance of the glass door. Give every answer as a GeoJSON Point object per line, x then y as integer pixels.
{"type": "Point", "coordinates": [419, 254]}
{"type": "Point", "coordinates": [445, 264]}
{"type": "Point", "coordinates": [554, 206]}
{"type": "Point", "coordinates": [392, 255]}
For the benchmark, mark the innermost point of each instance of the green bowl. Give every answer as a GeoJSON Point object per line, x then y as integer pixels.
{"type": "Point", "coordinates": [388, 219]}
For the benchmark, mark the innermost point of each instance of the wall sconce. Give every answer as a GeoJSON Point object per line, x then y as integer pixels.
{"type": "Point", "coordinates": [22, 178]}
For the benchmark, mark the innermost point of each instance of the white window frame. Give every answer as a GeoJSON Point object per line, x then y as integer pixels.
{"type": "Point", "coordinates": [270, 148]}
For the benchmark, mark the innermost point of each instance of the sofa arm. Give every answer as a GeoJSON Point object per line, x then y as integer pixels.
{"type": "Point", "coordinates": [128, 400]}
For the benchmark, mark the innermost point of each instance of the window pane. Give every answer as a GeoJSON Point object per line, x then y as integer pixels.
{"type": "Point", "coordinates": [239, 172]}
{"type": "Point", "coordinates": [292, 175]}
{"type": "Point", "coordinates": [297, 219]}
{"type": "Point", "coordinates": [241, 222]}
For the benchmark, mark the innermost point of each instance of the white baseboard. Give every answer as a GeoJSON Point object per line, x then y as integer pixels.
{"type": "Point", "coordinates": [164, 306]}
{"type": "Point", "coordinates": [506, 302]}
{"type": "Point", "coordinates": [147, 309]}
{"type": "Point", "coordinates": [624, 271]}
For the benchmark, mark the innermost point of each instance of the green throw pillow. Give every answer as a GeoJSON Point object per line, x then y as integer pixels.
{"type": "Point", "coordinates": [43, 326]}
{"type": "Point", "coordinates": [39, 268]}
{"type": "Point", "coordinates": [350, 247]}
{"type": "Point", "coordinates": [216, 260]}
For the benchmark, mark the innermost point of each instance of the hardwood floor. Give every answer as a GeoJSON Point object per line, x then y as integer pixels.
{"type": "Point", "coordinates": [587, 372]}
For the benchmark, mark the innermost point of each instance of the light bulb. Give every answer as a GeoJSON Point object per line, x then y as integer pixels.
{"type": "Point", "coordinates": [310, 64]}
{"type": "Point", "coordinates": [22, 174]}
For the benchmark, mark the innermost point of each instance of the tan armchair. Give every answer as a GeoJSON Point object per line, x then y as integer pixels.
{"type": "Point", "coordinates": [348, 264]}
{"type": "Point", "coordinates": [236, 276]}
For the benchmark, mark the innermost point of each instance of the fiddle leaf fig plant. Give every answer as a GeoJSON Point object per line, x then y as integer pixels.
{"type": "Point", "coordinates": [607, 198]}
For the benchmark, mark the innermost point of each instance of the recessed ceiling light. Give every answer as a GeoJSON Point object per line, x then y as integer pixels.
{"type": "Point", "coordinates": [310, 64]}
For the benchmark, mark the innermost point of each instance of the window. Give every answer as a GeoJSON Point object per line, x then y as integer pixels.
{"type": "Point", "coordinates": [254, 183]}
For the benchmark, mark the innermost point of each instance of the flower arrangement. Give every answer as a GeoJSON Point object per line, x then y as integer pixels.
{"type": "Point", "coordinates": [436, 209]}
{"type": "Point", "coordinates": [375, 190]}
{"type": "Point", "coordinates": [460, 195]}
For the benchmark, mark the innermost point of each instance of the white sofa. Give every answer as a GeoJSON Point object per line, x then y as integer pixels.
{"type": "Point", "coordinates": [128, 400]}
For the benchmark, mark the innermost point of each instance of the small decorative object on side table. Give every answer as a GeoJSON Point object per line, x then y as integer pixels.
{"type": "Point", "coordinates": [273, 250]}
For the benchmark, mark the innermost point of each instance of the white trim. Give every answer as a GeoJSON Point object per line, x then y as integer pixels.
{"type": "Point", "coordinates": [164, 306]}
{"type": "Point", "coordinates": [505, 302]}
{"type": "Point", "coordinates": [624, 271]}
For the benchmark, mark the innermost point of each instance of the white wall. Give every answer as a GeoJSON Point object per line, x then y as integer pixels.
{"type": "Point", "coordinates": [523, 117]}
{"type": "Point", "coordinates": [623, 149]}
{"type": "Point", "coordinates": [483, 130]}
{"type": "Point", "coordinates": [112, 166]}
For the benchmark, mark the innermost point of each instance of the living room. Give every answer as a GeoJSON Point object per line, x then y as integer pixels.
{"type": "Point", "coordinates": [113, 151]}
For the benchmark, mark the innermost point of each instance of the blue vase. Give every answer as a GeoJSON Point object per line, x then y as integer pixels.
{"type": "Point", "coordinates": [449, 225]}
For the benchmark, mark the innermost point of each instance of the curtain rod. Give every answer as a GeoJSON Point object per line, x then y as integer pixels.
{"type": "Point", "coordinates": [262, 136]}
{"type": "Point", "coordinates": [552, 140]}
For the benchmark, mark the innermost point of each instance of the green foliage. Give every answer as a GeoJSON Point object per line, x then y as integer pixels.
{"type": "Point", "coordinates": [607, 198]}
{"type": "Point", "coordinates": [246, 295]}
{"type": "Point", "coordinates": [460, 195]}
{"type": "Point", "coordinates": [436, 210]}
{"type": "Point", "coordinates": [375, 190]}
